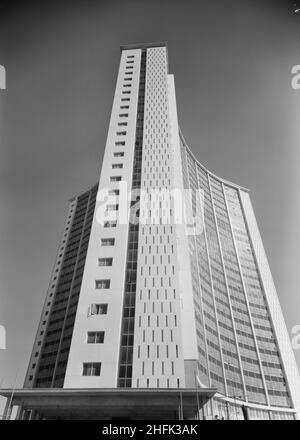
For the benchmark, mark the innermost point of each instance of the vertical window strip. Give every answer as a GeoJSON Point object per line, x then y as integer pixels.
{"type": "Point", "coordinates": [127, 330]}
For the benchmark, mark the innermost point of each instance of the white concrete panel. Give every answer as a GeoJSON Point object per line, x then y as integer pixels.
{"type": "Point", "coordinates": [108, 352]}
{"type": "Point", "coordinates": [187, 312]}
{"type": "Point", "coordinates": [158, 356]}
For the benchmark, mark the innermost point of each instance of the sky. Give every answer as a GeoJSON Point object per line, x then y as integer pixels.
{"type": "Point", "coordinates": [239, 114]}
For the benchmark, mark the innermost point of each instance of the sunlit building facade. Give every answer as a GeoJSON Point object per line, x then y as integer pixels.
{"type": "Point", "coordinates": [148, 312]}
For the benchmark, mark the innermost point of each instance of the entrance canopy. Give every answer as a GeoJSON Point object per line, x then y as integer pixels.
{"type": "Point", "coordinates": [106, 404]}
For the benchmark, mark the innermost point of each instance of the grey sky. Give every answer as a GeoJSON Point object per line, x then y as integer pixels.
{"type": "Point", "coordinates": [236, 107]}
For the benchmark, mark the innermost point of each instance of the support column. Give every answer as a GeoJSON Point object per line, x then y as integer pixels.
{"type": "Point", "coordinates": [37, 416]}
{"type": "Point", "coordinates": [19, 413]}
{"type": "Point", "coordinates": [6, 410]}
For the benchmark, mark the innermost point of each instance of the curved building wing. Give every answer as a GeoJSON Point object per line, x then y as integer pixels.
{"type": "Point", "coordinates": [243, 344]}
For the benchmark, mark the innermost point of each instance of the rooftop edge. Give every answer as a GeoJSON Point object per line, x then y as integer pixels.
{"type": "Point", "coordinates": [143, 45]}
